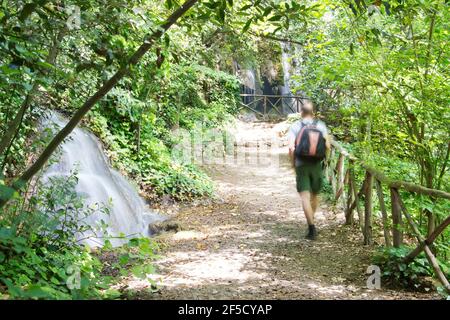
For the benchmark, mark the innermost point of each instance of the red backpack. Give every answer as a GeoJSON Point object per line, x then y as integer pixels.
{"type": "Point", "coordinates": [310, 143]}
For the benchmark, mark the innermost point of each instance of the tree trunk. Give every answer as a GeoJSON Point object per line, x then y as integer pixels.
{"type": "Point", "coordinates": [368, 239]}
{"type": "Point", "coordinates": [397, 233]}
{"type": "Point", "coordinates": [387, 236]}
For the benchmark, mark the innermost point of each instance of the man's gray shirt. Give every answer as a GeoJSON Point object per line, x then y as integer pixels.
{"type": "Point", "coordinates": [298, 125]}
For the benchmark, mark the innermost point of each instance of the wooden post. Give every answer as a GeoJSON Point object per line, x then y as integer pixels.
{"type": "Point", "coordinates": [429, 241]}
{"type": "Point", "coordinates": [435, 264]}
{"type": "Point", "coordinates": [344, 190]}
{"type": "Point", "coordinates": [431, 218]}
{"type": "Point", "coordinates": [368, 239]}
{"type": "Point", "coordinates": [428, 253]}
{"type": "Point", "coordinates": [348, 209]}
{"type": "Point", "coordinates": [330, 166]}
{"type": "Point", "coordinates": [332, 172]}
{"type": "Point", "coordinates": [265, 108]}
{"type": "Point", "coordinates": [397, 233]}
{"type": "Point", "coordinates": [355, 204]}
{"type": "Point", "coordinates": [386, 231]}
{"type": "Point", "coordinates": [340, 176]}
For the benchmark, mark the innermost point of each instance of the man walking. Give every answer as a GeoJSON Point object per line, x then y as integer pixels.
{"type": "Point", "coordinates": [308, 145]}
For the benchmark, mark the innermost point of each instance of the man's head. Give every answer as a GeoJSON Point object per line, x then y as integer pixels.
{"type": "Point", "coordinates": [307, 109]}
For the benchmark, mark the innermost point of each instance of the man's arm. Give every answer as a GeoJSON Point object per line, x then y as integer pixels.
{"type": "Point", "coordinates": [291, 146]}
{"type": "Point", "coordinates": [292, 134]}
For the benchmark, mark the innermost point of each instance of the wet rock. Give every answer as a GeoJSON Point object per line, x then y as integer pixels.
{"type": "Point", "coordinates": [164, 226]}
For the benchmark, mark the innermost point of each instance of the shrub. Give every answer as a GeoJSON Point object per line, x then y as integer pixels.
{"type": "Point", "coordinates": [396, 272]}
{"type": "Point", "coordinates": [40, 256]}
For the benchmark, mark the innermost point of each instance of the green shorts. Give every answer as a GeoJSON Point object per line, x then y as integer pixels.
{"type": "Point", "coordinates": [309, 177]}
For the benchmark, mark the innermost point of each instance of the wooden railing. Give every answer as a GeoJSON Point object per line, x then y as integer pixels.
{"type": "Point", "coordinates": [340, 172]}
{"type": "Point", "coordinates": [265, 105]}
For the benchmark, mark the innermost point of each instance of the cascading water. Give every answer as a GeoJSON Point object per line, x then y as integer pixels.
{"type": "Point", "coordinates": [248, 80]}
{"type": "Point", "coordinates": [266, 81]}
{"type": "Point", "coordinates": [99, 184]}
{"type": "Point", "coordinates": [285, 90]}
{"type": "Point", "coordinates": [291, 61]}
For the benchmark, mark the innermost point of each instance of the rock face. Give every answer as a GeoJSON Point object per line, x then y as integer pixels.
{"type": "Point", "coordinates": [278, 73]}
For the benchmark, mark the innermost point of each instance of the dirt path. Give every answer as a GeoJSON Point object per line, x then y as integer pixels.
{"type": "Point", "coordinates": [249, 243]}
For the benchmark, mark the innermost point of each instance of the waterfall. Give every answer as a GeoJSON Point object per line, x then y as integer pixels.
{"type": "Point", "coordinates": [285, 90]}
{"type": "Point", "coordinates": [249, 80]}
{"type": "Point", "coordinates": [285, 63]}
{"type": "Point", "coordinates": [99, 183]}
{"type": "Point", "coordinates": [291, 61]}
{"type": "Point", "coordinates": [248, 84]}
{"type": "Point", "coordinates": [268, 80]}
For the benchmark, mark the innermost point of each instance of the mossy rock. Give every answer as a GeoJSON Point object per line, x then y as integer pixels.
{"type": "Point", "coordinates": [165, 226]}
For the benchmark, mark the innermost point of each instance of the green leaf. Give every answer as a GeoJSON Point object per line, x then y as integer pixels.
{"type": "Point", "coordinates": [276, 18]}
{"type": "Point", "coordinates": [13, 290]}
{"type": "Point", "coordinates": [169, 4]}
{"type": "Point", "coordinates": [212, 5]}
{"type": "Point", "coordinates": [6, 192]}
{"type": "Point", "coordinates": [267, 11]}
{"type": "Point", "coordinates": [123, 259]}
{"type": "Point", "coordinates": [133, 242]}
{"type": "Point", "coordinates": [247, 25]}
{"type": "Point", "coordinates": [246, 7]}
{"type": "Point", "coordinates": [45, 65]}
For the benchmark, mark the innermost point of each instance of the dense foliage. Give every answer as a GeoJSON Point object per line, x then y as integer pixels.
{"type": "Point", "coordinates": [396, 272]}
{"type": "Point", "coordinates": [378, 71]}
{"type": "Point", "coordinates": [168, 89]}
{"type": "Point", "coordinates": [48, 64]}
{"type": "Point", "coordinates": [42, 255]}
{"type": "Point", "coordinates": [139, 133]}
{"type": "Point", "coordinates": [384, 67]}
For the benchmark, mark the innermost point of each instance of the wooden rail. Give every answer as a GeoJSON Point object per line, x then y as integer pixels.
{"type": "Point", "coordinates": [265, 105]}
{"type": "Point", "coordinates": [340, 172]}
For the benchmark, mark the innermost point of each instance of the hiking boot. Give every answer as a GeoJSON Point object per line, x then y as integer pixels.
{"type": "Point", "coordinates": [312, 233]}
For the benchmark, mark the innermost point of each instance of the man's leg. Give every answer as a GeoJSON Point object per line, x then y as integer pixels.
{"type": "Point", "coordinates": [304, 190]}
{"type": "Point", "coordinates": [307, 207]}
{"type": "Point", "coordinates": [316, 185]}
{"type": "Point", "coordinates": [315, 176]}
{"type": "Point", "coordinates": [314, 202]}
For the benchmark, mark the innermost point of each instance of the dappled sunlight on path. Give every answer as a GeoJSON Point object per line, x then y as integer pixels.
{"type": "Point", "coordinates": [249, 244]}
